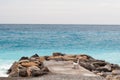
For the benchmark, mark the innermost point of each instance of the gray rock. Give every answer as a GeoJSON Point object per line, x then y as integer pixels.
{"type": "Point", "coordinates": [109, 77]}
{"type": "Point", "coordinates": [117, 77]}
{"type": "Point", "coordinates": [102, 69]}
{"type": "Point", "coordinates": [23, 72]}
{"type": "Point", "coordinates": [116, 72]}
{"type": "Point", "coordinates": [34, 71]}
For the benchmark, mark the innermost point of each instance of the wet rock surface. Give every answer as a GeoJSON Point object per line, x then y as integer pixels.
{"type": "Point", "coordinates": [34, 67]}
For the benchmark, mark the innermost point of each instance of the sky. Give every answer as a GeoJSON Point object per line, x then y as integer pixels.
{"type": "Point", "coordinates": [59, 11]}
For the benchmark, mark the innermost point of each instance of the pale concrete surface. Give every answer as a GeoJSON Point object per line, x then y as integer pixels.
{"type": "Point", "coordinates": [66, 67]}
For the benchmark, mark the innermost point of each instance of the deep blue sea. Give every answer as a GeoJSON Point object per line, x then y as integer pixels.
{"type": "Point", "coordinates": [17, 40]}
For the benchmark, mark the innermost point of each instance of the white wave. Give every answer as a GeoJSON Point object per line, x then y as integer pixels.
{"type": "Point", "coordinates": [4, 66]}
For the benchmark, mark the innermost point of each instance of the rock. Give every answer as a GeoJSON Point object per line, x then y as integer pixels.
{"type": "Point", "coordinates": [109, 77]}
{"type": "Point", "coordinates": [23, 72]}
{"type": "Point", "coordinates": [56, 58]}
{"type": "Point", "coordinates": [81, 57]}
{"type": "Point", "coordinates": [104, 74]}
{"type": "Point", "coordinates": [46, 57]}
{"type": "Point", "coordinates": [108, 66]}
{"type": "Point", "coordinates": [45, 70]}
{"type": "Point", "coordinates": [13, 68]}
{"type": "Point", "coordinates": [24, 58]}
{"type": "Point", "coordinates": [35, 55]}
{"type": "Point", "coordinates": [113, 77]}
{"type": "Point", "coordinates": [29, 64]}
{"type": "Point", "coordinates": [115, 66]}
{"type": "Point", "coordinates": [85, 57]}
{"type": "Point", "coordinates": [36, 66]}
{"type": "Point", "coordinates": [116, 72]}
{"type": "Point", "coordinates": [41, 59]}
{"type": "Point", "coordinates": [69, 58]}
{"type": "Point", "coordinates": [103, 69]}
{"type": "Point", "coordinates": [23, 61]}
{"type": "Point", "coordinates": [34, 71]}
{"type": "Point", "coordinates": [99, 64]}
{"type": "Point", "coordinates": [58, 54]}
{"type": "Point", "coordinates": [33, 59]}
{"type": "Point", "coordinates": [13, 71]}
{"type": "Point", "coordinates": [14, 74]}
{"type": "Point", "coordinates": [117, 77]}
{"type": "Point", "coordinates": [95, 72]}
{"type": "Point", "coordinates": [87, 65]}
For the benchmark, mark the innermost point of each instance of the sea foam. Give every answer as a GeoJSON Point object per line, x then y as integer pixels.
{"type": "Point", "coordinates": [4, 66]}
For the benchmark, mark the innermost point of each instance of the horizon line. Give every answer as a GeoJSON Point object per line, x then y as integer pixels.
{"type": "Point", "coordinates": [54, 24]}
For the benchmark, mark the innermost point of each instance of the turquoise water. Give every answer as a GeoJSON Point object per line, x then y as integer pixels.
{"type": "Point", "coordinates": [99, 41]}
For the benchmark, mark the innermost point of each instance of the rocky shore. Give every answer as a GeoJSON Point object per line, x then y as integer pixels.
{"type": "Point", "coordinates": [63, 64]}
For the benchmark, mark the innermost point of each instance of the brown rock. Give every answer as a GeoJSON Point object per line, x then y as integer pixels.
{"type": "Point", "coordinates": [69, 58]}
{"type": "Point", "coordinates": [23, 61]}
{"type": "Point", "coordinates": [58, 54]}
{"type": "Point", "coordinates": [41, 59]}
{"type": "Point", "coordinates": [84, 56]}
{"type": "Point", "coordinates": [56, 58]}
{"type": "Point", "coordinates": [29, 64]}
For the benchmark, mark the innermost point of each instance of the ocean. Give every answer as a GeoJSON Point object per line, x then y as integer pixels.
{"type": "Point", "coordinates": [98, 41]}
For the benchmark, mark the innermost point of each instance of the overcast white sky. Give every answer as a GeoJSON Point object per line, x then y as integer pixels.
{"type": "Point", "coordinates": [60, 11]}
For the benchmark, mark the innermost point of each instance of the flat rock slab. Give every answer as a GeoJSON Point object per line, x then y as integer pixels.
{"type": "Point", "coordinates": [66, 67]}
